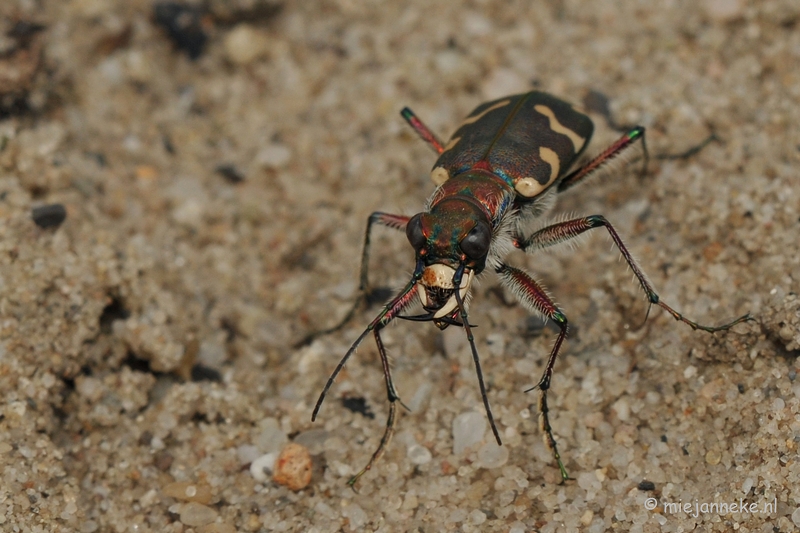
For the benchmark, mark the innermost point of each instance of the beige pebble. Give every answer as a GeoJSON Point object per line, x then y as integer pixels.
{"type": "Point", "coordinates": [724, 10]}
{"type": "Point", "coordinates": [217, 528]}
{"type": "Point", "coordinates": [195, 514]}
{"type": "Point", "coordinates": [188, 492]}
{"type": "Point", "coordinates": [293, 467]}
{"type": "Point", "coordinates": [244, 44]}
{"type": "Point", "coordinates": [713, 457]}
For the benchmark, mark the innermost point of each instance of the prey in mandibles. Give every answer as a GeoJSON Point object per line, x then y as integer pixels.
{"type": "Point", "coordinates": [501, 168]}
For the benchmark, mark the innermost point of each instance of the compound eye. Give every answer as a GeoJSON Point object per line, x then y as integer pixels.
{"type": "Point", "coordinates": [476, 243]}
{"type": "Point", "coordinates": [414, 232]}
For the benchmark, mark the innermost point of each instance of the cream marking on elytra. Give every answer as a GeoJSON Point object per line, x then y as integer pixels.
{"type": "Point", "coordinates": [439, 175]}
{"type": "Point", "coordinates": [556, 126]}
{"type": "Point", "coordinates": [476, 118]}
{"type": "Point", "coordinates": [528, 187]}
{"type": "Point", "coordinates": [453, 142]}
{"type": "Point", "coordinates": [551, 158]}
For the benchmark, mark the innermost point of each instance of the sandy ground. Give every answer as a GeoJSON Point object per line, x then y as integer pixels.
{"type": "Point", "coordinates": [215, 212]}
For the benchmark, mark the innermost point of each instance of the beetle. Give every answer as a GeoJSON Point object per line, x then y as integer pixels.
{"type": "Point", "coordinates": [501, 168]}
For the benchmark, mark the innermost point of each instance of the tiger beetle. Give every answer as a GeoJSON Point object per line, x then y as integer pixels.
{"type": "Point", "coordinates": [502, 167]}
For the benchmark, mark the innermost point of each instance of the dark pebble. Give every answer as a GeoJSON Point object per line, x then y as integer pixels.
{"type": "Point", "coordinates": [204, 373]}
{"type": "Point", "coordinates": [49, 216]}
{"type": "Point", "coordinates": [230, 173]}
{"type": "Point", "coordinates": [163, 461]}
{"type": "Point", "coordinates": [358, 405]}
{"type": "Point", "coordinates": [183, 24]}
{"type": "Point", "coordinates": [646, 485]}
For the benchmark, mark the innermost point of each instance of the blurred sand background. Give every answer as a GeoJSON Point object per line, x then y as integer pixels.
{"type": "Point", "coordinates": [217, 181]}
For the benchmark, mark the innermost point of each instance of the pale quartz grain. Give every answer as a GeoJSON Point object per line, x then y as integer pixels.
{"type": "Point", "coordinates": [247, 453]}
{"type": "Point", "coordinates": [468, 431]}
{"type": "Point", "coordinates": [188, 491]}
{"type": "Point", "coordinates": [492, 455]}
{"type": "Point", "coordinates": [272, 438]}
{"type": "Point", "coordinates": [244, 44]}
{"type": "Point", "coordinates": [419, 455]}
{"type": "Point", "coordinates": [796, 517]}
{"type": "Point", "coordinates": [355, 515]}
{"type": "Point", "coordinates": [262, 466]}
{"type": "Point", "coordinates": [195, 514]}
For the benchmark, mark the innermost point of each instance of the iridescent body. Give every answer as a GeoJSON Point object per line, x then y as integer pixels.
{"type": "Point", "coordinates": [500, 168]}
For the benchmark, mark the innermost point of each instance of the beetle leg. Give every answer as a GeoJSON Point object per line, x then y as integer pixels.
{"type": "Point", "coordinates": [569, 229]}
{"type": "Point", "coordinates": [691, 151]}
{"type": "Point", "coordinates": [422, 130]}
{"type": "Point", "coordinates": [534, 298]}
{"type": "Point", "coordinates": [390, 421]}
{"type": "Point", "coordinates": [389, 313]}
{"type": "Point", "coordinates": [397, 222]}
{"type": "Point", "coordinates": [580, 174]}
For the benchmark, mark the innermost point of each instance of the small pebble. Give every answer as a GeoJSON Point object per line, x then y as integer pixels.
{"type": "Point", "coordinates": [230, 173]}
{"type": "Point", "coordinates": [244, 44]}
{"type": "Point", "coordinates": [355, 515]}
{"type": "Point", "coordinates": [49, 216]}
{"type": "Point", "coordinates": [796, 517]}
{"type": "Point", "coordinates": [293, 467]}
{"type": "Point", "coordinates": [217, 528]}
{"type": "Point", "coordinates": [272, 438]}
{"type": "Point", "coordinates": [713, 457]}
{"type": "Point", "coordinates": [247, 453]}
{"type": "Point", "coordinates": [263, 465]}
{"type": "Point", "coordinates": [313, 439]}
{"type": "Point", "coordinates": [274, 156]}
{"type": "Point", "coordinates": [419, 455]}
{"type": "Point", "coordinates": [188, 492]}
{"type": "Point", "coordinates": [163, 461]}
{"type": "Point", "coordinates": [623, 409]}
{"type": "Point", "coordinates": [491, 455]}
{"type": "Point", "coordinates": [645, 485]}
{"type": "Point", "coordinates": [468, 430]}
{"type": "Point", "coordinates": [196, 514]}
{"type": "Point", "coordinates": [477, 517]}
{"type": "Point", "coordinates": [184, 26]}
{"type": "Point", "coordinates": [724, 10]}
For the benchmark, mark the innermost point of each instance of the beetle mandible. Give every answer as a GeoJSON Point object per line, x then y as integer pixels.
{"type": "Point", "coordinates": [502, 166]}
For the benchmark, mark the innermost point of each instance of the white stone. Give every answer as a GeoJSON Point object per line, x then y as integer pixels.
{"type": "Point", "coordinates": [247, 453]}
{"type": "Point", "coordinates": [272, 438]}
{"type": "Point", "coordinates": [274, 156]}
{"type": "Point", "coordinates": [623, 409]}
{"type": "Point", "coordinates": [419, 455]}
{"type": "Point", "coordinates": [490, 455]}
{"type": "Point", "coordinates": [262, 466]}
{"type": "Point", "coordinates": [356, 515]}
{"type": "Point", "coordinates": [477, 517]}
{"type": "Point", "coordinates": [468, 430]}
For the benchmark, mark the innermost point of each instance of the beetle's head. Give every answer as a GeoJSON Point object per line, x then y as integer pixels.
{"type": "Point", "coordinates": [452, 240]}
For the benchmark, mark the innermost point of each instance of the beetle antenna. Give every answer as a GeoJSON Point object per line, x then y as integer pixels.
{"type": "Point", "coordinates": [465, 322]}
{"type": "Point", "coordinates": [390, 311]}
